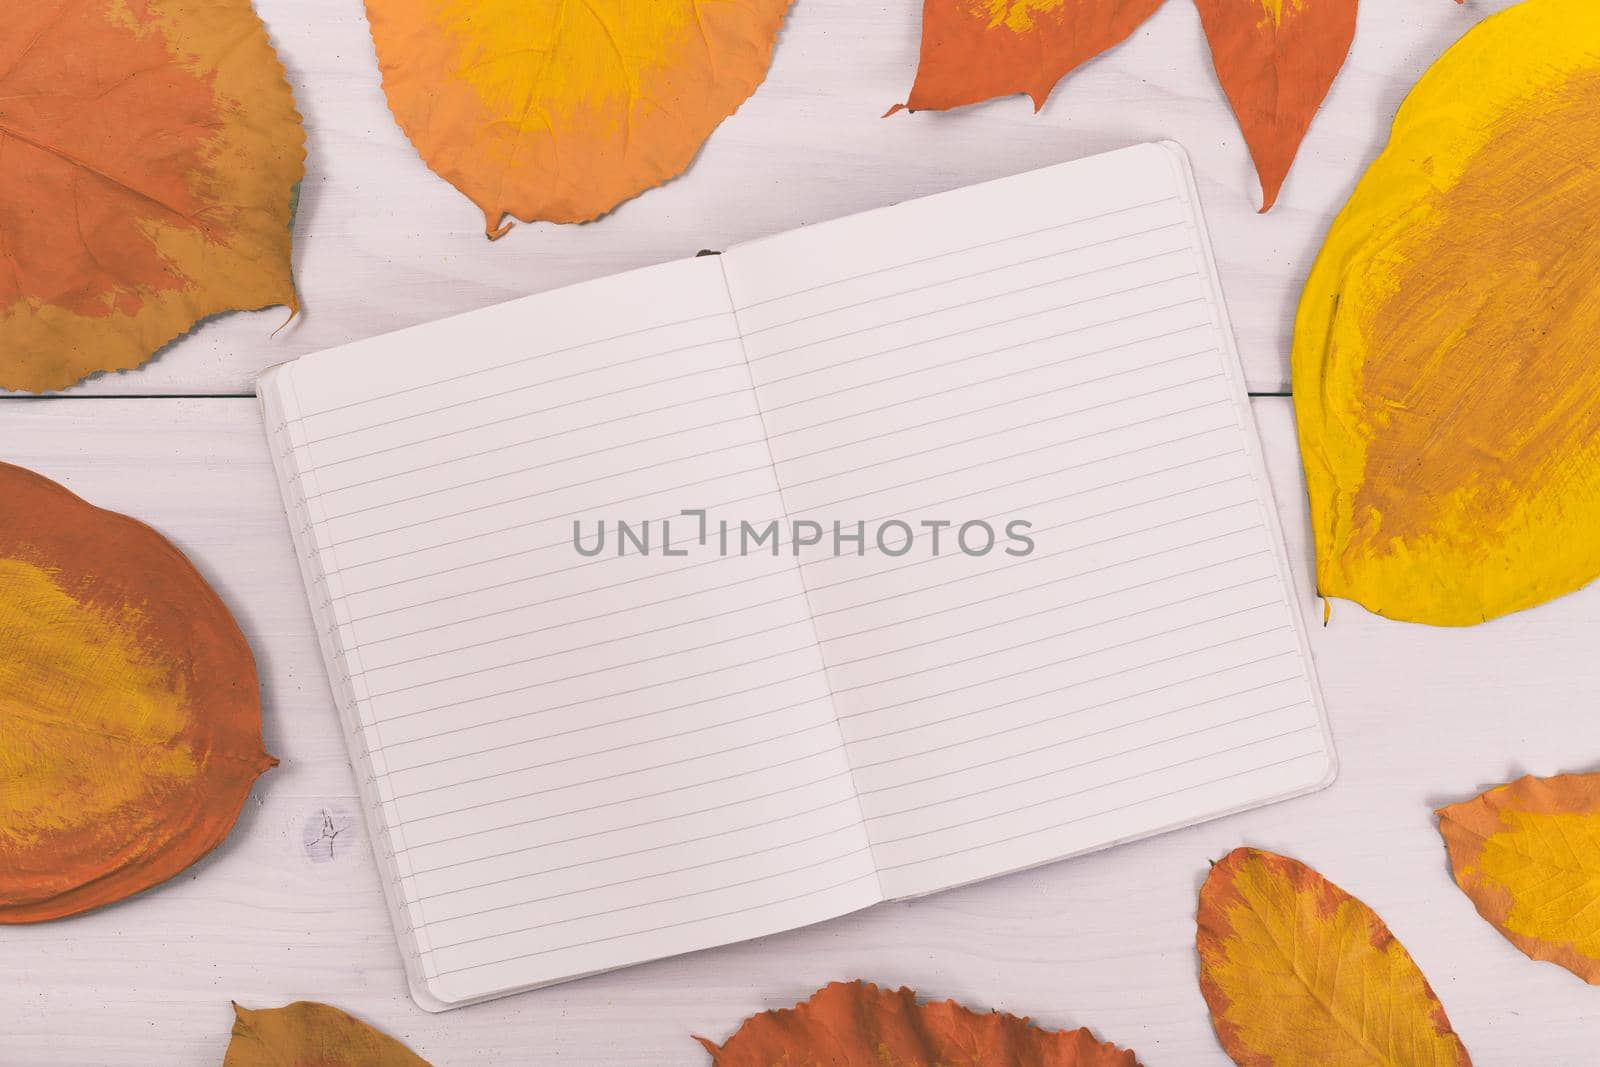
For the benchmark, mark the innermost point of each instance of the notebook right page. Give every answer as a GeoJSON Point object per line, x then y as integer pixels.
{"type": "Point", "coordinates": [1045, 357]}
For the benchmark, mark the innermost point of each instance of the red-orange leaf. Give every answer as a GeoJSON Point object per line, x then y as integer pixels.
{"type": "Point", "coordinates": [973, 50]}
{"type": "Point", "coordinates": [1276, 60]}
{"type": "Point", "coordinates": [130, 718]}
{"type": "Point", "coordinates": [857, 1024]}
{"type": "Point", "coordinates": [149, 150]}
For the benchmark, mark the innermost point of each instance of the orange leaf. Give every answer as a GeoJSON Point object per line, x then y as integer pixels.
{"type": "Point", "coordinates": [314, 1035]}
{"type": "Point", "coordinates": [1298, 972]}
{"type": "Point", "coordinates": [130, 719]}
{"type": "Point", "coordinates": [1276, 60]}
{"type": "Point", "coordinates": [541, 109]}
{"type": "Point", "coordinates": [857, 1024]}
{"type": "Point", "coordinates": [149, 151]}
{"type": "Point", "coordinates": [1528, 856]}
{"type": "Point", "coordinates": [974, 50]}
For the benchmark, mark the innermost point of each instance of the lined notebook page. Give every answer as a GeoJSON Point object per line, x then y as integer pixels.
{"type": "Point", "coordinates": [580, 762]}
{"type": "Point", "coordinates": [1050, 348]}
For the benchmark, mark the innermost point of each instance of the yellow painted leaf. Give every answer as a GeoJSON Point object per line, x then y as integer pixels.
{"type": "Point", "coordinates": [1528, 856]}
{"type": "Point", "coordinates": [975, 50]}
{"type": "Point", "coordinates": [542, 109]}
{"type": "Point", "coordinates": [858, 1024]}
{"type": "Point", "coordinates": [149, 151]}
{"type": "Point", "coordinates": [306, 1034]}
{"type": "Point", "coordinates": [1298, 973]}
{"type": "Point", "coordinates": [1445, 377]}
{"type": "Point", "coordinates": [130, 717]}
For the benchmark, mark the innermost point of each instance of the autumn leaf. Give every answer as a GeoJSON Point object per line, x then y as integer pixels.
{"type": "Point", "coordinates": [149, 151]}
{"type": "Point", "coordinates": [541, 109]}
{"type": "Point", "coordinates": [857, 1024]}
{"type": "Point", "coordinates": [1276, 60]}
{"type": "Point", "coordinates": [311, 1034]}
{"type": "Point", "coordinates": [1443, 363]}
{"type": "Point", "coordinates": [1528, 856]}
{"type": "Point", "coordinates": [130, 719]}
{"type": "Point", "coordinates": [975, 50]}
{"type": "Point", "coordinates": [1297, 972]}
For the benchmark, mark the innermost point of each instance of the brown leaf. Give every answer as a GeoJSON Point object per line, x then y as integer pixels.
{"type": "Point", "coordinates": [149, 151]}
{"type": "Point", "coordinates": [307, 1034]}
{"type": "Point", "coordinates": [857, 1024]}
{"type": "Point", "coordinates": [130, 717]}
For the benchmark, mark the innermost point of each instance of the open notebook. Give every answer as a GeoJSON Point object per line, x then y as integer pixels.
{"type": "Point", "coordinates": [574, 762]}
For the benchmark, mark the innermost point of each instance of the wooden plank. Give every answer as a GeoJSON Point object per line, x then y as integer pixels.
{"type": "Point", "coordinates": [281, 912]}
{"type": "Point", "coordinates": [383, 243]}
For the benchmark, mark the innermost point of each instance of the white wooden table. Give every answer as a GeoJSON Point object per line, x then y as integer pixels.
{"type": "Point", "coordinates": [289, 907]}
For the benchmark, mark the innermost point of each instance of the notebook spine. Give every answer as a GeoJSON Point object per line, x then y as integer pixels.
{"type": "Point", "coordinates": [336, 657]}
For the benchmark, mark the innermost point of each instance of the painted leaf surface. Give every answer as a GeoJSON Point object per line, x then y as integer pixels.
{"type": "Point", "coordinates": [975, 50]}
{"type": "Point", "coordinates": [149, 151]}
{"type": "Point", "coordinates": [1445, 378]}
{"type": "Point", "coordinates": [307, 1034]}
{"type": "Point", "coordinates": [1297, 972]}
{"type": "Point", "coordinates": [1276, 60]}
{"type": "Point", "coordinates": [857, 1024]}
{"type": "Point", "coordinates": [1528, 856]}
{"type": "Point", "coordinates": [541, 109]}
{"type": "Point", "coordinates": [130, 719]}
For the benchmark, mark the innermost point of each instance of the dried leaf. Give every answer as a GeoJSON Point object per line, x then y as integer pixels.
{"type": "Point", "coordinates": [857, 1024]}
{"type": "Point", "coordinates": [1296, 972]}
{"type": "Point", "coordinates": [315, 1035]}
{"type": "Point", "coordinates": [1444, 368]}
{"type": "Point", "coordinates": [149, 151]}
{"type": "Point", "coordinates": [541, 109]}
{"type": "Point", "coordinates": [1528, 856]}
{"type": "Point", "coordinates": [130, 719]}
{"type": "Point", "coordinates": [975, 50]}
{"type": "Point", "coordinates": [1276, 60]}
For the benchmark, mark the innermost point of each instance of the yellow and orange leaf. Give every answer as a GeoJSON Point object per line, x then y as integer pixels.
{"type": "Point", "coordinates": [130, 718]}
{"type": "Point", "coordinates": [857, 1024]}
{"type": "Point", "coordinates": [975, 50]}
{"type": "Point", "coordinates": [1528, 856]}
{"type": "Point", "coordinates": [1276, 60]}
{"type": "Point", "coordinates": [1298, 972]}
{"type": "Point", "coordinates": [149, 151]}
{"type": "Point", "coordinates": [540, 109]}
{"type": "Point", "coordinates": [1444, 352]}
{"type": "Point", "coordinates": [313, 1035]}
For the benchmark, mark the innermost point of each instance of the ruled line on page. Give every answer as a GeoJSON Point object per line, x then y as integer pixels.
{"type": "Point", "coordinates": [959, 251]}
{"type": "Point", "coordinates": [1065, 767]}
{"type": "Point", "coordinates": [641, 904]}
{"type": "Point", "coordinates": [975, 302]}
{"type": "Point", "coordinates": [1056, 663]}
{"type": "Point", "coordinates": [687, 485]}
{"type": "Point", "coordinates": [886, 626]}
{"type": "Point", "coordinates": [979, 274]}
{"type": "Point", "coordinates": [505, 365]}
{"type": "Point", "coordinates": [1009, 375]}
{"type": "Point", "coordinates": [455, 486]}
{"type": "Point", "coordinates": [1067, 496]}
{"type": "Point", "coordinates": [1142, 800]}
{"type": "Point", "coordinates": [745, 692]}
{"type": "Point", "coordinates": [760, 659]}
{"type": "Point", "coordinates": [658, 929]}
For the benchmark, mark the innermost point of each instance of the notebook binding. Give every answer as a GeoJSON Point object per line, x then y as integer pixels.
{"type": "Point", "coordinates": [300, 521]}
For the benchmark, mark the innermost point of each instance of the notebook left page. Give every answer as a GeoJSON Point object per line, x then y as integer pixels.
{"type": "Point", "coordinates": [576, 761]}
